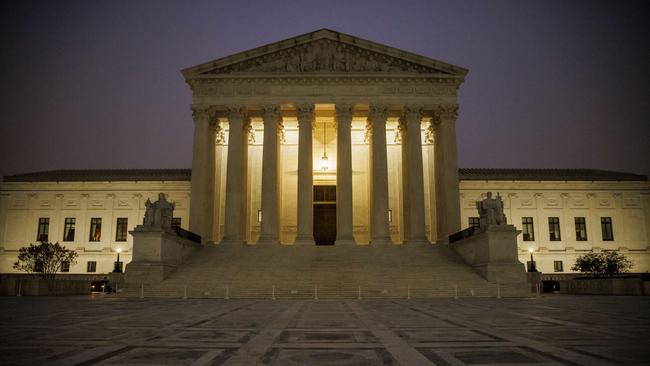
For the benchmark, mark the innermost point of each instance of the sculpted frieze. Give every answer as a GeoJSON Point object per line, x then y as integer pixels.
{"type": "Point", "coordinates": [324, 56]}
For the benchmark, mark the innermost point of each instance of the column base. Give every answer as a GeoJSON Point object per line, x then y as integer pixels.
{"type": "Point", "coordinates": [232, 242]}
{"type": "Point", "coordinates": [381, 241]}
{"type": "Point", "coordinates": [304, 241]}
{"type": "Point", "coordinates": [345, 241]}
{"type": "Point", "coordinates": [417, 241]}
{"type": "Point", "coordinates": [268, 241]}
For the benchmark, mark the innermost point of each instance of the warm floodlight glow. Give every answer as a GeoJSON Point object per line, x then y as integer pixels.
{"type": "Point", "coordinates": [530, 250]}
{"type": "Point", "coordinates": [119, 250]}
{"type": "Point", "coordinates": [324, 165]}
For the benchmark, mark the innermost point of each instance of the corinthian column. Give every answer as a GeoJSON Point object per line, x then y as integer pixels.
{"type": "Point", "coordinates": [270, 154]}
{"type": "Point", "coordinates": [344, 233]}
{"type": "Point", "coordinates": [235, 183]}
{"type": "Point", "coordinates": [203, 170]}
{"type": "Point", "coordinates": [415, 182]}
{"type": "Point", "coordinates": [379, 226]}
{"type": "Point", "coordinates": [446, 172]}
{"type": "Point", "coordinates": [305, 175]}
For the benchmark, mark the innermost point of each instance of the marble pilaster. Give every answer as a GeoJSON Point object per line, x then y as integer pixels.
{"type": "Point", "coordinates": [270, 185]}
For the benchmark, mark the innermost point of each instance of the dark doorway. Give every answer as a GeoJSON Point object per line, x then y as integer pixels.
{"type": "Point", "coordinates": [324, 215]}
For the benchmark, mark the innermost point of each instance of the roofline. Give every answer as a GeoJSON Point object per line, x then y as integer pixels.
{"type": "Point", "coordinates": [193, 71]}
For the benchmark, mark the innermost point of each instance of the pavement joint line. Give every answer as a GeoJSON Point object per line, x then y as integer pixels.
{"type": "Point", "coordinates": [394, 344]}
{"type": "Point", "coordinates": [544, 348]}
{"type": "Point", "coordinates": [253, 351]}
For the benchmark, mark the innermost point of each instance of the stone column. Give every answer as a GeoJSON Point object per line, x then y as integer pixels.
{"type": "Point", "coordinates": [203, 169]}
{"type": "Point", "coordinates": [270, 154]}
{"type": "Point", "coordinates": [379, 225]}
{"type": "Point", "coordinates": [235, 186]}
{"type": "Point", "coordinates": [305, 175]}
{"type": "Point", "coordinates": [406, 211]}
{"type": "Point", "coordinates": [446, 171]}
{"type": "Point", "coordinates": [415, 182]}
{"type": "Point", "coordinates": [344, 233]}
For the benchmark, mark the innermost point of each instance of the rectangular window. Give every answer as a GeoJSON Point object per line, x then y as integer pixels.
{"type": "Point", "coordinates": [121, 266]}
{"type": "Point", "coordinates": [606, 227]}
{"type": "Point", "coordinates": [43, 229]}
{"type": "Point", "coordinates": [554, 229]}
{"type": "Point", "coordinates": [121, 228]}
{"type": "Point", "coordinates": [95, 229]}
{"type": "Point", "coordinates": [558, 266]}
{"type": "Point", "coordinates": [176, 222]}
{"type": "Point", "coordinates": [68, 229]}
{"type": "Point", "coordinates": [527, 228]}
{"type": "Point", "coordinates": [65, 266]}
{"type": "Point", "coordinates": [474, 222]}
{"type": "Point", "coordinates": [581, 229]}
{"type": "Point", "coordinates": [91, 266]}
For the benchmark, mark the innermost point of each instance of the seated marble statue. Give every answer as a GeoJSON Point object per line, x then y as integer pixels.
{"type": "Point", "coordinates": [159, 213]}
{"type": "Point", "coordinates": [491, 211]}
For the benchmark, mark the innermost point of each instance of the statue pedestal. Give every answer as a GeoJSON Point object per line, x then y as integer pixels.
{"type": "Point", "coordinates": [492, 253]}
{"type": "Point", "coordinates": [157, 252]}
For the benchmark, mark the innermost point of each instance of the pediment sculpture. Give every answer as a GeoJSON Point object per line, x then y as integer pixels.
{"type": "Point", "coordinates": [323, 56]}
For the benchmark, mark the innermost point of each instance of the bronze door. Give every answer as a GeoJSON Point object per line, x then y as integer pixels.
{"type": "Point", "coordinates": [324, 215]}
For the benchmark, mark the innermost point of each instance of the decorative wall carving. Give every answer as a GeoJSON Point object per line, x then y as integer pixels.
{"type": "Point", "coordinates": [325, 56]}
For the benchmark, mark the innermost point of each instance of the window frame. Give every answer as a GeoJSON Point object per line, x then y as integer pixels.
{"type": "Point", "coordinates": [558, 266]}
{"type": "Point", "coordinates": [43, 230]}
{"type": "Point", "coordinates": [581, 224]}
{"type": "Point", "coordinates": [607, 228]}
{"type": "Point", "coordinates": [96, 227]}
{"type": "Point", "coordinates": [474, 222]}
{"type": "Point", "coordinates": [553, 228]}
{"type": "Point", "coordinates": [91, 265]}
{"type": "Point", "coordinates": [69, 226]}
{"type": "Point", "coordinates": [121, 229]}
{"type": "Point", "coordinates": [528, 225]}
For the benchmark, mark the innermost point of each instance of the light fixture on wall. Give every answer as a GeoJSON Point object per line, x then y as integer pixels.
{"type": "Point", "coordinates": [259, 215]}
{"type": "Point", "coordinates": [324, 161]}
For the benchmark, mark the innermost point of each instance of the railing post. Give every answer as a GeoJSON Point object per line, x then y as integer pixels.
{"type": "Point", "coordinates": [315, 292]}
{"type": "Point", "coordinates": [408, 292]}
{"type": "Point", "coordinates": [359, 293]}
{"type": "Point", "coordinates": [455, 291]}
{"type": "Point", "coordinates": [142, 290]}
{"type": "Point", "coordinates": [273, 293]}
{"type": "Point", "coordinates": [185, 292]}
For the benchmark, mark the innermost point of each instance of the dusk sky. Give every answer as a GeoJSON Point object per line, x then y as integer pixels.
{"type": "Point", "coordinates": [552, 84]}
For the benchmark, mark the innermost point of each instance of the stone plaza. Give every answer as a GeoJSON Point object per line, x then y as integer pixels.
{"type": "Point", "coordinates": [104, 330]}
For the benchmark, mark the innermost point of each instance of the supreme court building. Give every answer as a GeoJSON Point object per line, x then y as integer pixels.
{"type": "Point", "coordinates": [327, 139]}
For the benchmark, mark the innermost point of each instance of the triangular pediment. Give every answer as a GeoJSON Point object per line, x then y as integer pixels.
{"type": "Point", "coordinates": [324, 52]}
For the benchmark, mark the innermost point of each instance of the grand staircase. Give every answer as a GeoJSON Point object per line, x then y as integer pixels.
{"type": "Point", "coordinates": [323, 272]}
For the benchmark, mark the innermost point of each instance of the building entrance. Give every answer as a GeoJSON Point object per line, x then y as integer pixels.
{"type": "Point", "coordinates": [324, 215]}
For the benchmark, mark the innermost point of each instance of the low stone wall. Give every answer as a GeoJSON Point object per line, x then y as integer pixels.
{"type": "Point", "coordinates": [13, 286]}
{"type": "Point", "coordinates": [605, 286]}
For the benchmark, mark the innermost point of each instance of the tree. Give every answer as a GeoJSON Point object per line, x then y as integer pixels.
{"type": "Point", "coordinates": [608, 263]}
{"type": "Point", "coordinates": [45, 258]}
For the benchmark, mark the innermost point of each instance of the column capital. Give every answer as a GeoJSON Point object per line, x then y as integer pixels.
{"type": "Point", "coordinates": [445, 112]}
{"type": "Point", "coordinates": [235, 113]}
{"type": "Point", "coordinates": [271, 113]}
{"type": "Point", "coordinates": [378, 113]}
{"type": "Point", "coordinates": [201, 112]}
{"type": "Point", "coordinates": [344, 113]}
{"type": "Point", "coordinates": [305, 111]}
{"type": "Point", "coordinates": [412, 114]}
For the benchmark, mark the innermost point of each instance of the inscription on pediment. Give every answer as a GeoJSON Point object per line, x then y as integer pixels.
{"type": "Point", "coordinates": [324, 56]}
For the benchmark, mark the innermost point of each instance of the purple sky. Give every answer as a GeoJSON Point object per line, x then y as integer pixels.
{"type": "Point", "coordinates": [552, 84]}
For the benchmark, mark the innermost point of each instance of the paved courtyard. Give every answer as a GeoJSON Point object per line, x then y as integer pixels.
{"type": "Point", "coordinates": [551, 330]}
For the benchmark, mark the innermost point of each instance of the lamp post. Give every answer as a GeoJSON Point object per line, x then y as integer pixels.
{"type": "Point", "coordinates": [117, 268]}
{"type": "Point", "coordinates": [532, 262]}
